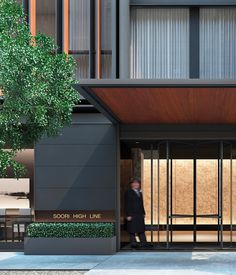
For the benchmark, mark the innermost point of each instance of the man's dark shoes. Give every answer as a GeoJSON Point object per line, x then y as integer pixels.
{"type": "Point", "coordinates": [134, 246]}
{"type": "Point", "coordinates": [146, 245]}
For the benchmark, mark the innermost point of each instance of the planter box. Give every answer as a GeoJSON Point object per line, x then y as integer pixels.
{"type": "Point", "coordinates": [69, 246]}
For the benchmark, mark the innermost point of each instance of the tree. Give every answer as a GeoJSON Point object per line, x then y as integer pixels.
{"type": "Point", "coordinates": [36, 90]}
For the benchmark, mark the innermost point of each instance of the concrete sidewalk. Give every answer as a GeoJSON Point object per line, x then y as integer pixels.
{"type": "Point", "coordinates": [177, 263]}
{"type": "Point", "coordinates": [145, 263]}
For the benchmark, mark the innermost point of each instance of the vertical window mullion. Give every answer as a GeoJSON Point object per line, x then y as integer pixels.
{"type": "Point", "coordinates": [25, 4]}
{"type": "Point", "coordinates": [92, 40]}
{"type": "Point", "coordinates": [59, 18]}
{"type": "Point", "coordinates": [194, 45]}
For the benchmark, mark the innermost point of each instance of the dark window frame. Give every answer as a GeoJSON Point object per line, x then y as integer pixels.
{"type": "Point", "coordinates": [187, 3]}
{"type": "Point", "coordinates": [194, 43]}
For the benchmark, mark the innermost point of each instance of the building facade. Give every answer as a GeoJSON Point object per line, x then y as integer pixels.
{"type": "Point", "coordinates": [158, 86]}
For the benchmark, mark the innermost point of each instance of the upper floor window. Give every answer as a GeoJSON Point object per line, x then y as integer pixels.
{"type": "Point", "coordinates": [106, 39]}
{"type": "Point", "coordinates": [160, 43]}
{"type": "Point", "coordinates": [161, 46]}
{"type": "Point", "coordinates": [218, 43]}
{"type": "Point", "coordinates": [84, 44]}
{"type": "Point", "coordinates": [81, 28]}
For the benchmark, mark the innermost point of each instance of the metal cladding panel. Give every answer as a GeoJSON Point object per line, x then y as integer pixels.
{"type": "Point", "coordinates": [76, 199]}
{"type": "Point", "coordinates": [83, 135]}
{"type": "Point", "coordinates": [75, 155]}
{"type": "Point", "coordinates": [78, 169]}
{"type": "Point", "coordinates": [74, 177]}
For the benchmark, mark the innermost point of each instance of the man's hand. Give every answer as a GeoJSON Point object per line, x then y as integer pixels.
{"type": "Point", "coordinates": [129, 218]}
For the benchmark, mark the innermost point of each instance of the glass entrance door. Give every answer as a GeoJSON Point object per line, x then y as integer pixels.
{"type": "Point", "coordinates": [188, 191]}
{"type": "Point", "coordinates": [181, 223]}
{"type": "Point", "coordinates": [209, 192]}
{"type": "Point", "coordinates": [199, 193]}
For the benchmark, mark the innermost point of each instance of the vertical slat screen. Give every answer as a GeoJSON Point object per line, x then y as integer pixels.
{"type": "Point", "coordinates": [160, 43]}
{"type": "Point", "coordinates": [218, 43]}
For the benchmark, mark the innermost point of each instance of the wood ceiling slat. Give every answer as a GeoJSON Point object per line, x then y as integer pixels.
{"type": "Point", "coordinates": [170, 105]}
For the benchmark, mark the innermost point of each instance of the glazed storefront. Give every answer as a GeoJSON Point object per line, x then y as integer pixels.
{"type": "Point", "coordinates": [188, 190]}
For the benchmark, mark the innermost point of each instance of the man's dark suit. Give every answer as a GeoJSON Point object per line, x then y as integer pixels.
{"type": "Point", "coordinates": [134, 208]}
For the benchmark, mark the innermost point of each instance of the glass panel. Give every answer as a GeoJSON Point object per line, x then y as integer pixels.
{"type": "Point", "coordinates": [217, 43]}
{"type": "Point", "coordinates": [181, 183]}
{"type": "Point", "coordinates": [14, 193]}
{"type": "Point", "coordinates": [234, 191]}
{"type": "Point", "coordinates": [82, 68]}
{"type": "Point", "coordinates": [106, 38]}
{"type": "Point", "coordinates": [160, 43]}
{"type": "Point", "coordinates": [207, 189]}
{"type": "Point", "coordinates": [79, 25]}
{"type": "Point", "coordinates": [46, 17]}
{"type": "Point", "coordinates": [207, 177]}
{"type": "Point", "coordinates": [152, 204]}
{"type": "Point", "coordinates": [106, 41]}
{"type": "Point", "coordinates": [228, 194]}
{"type": "Point", "coordinates": [182, 174]}
{"type": "Point", "coordinates": [79, 35]}
{"type": "Point", "coordinates": [16, 200]}
{"type": "Point", "coordinates": [106, 65]}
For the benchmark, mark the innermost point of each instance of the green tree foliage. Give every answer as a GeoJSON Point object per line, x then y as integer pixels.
{"type": "Point", "coordinates": [36, 87]}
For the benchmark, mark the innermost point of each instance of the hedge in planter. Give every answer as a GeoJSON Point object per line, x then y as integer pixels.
{"type": "Point", "coordinates": [70, 230]}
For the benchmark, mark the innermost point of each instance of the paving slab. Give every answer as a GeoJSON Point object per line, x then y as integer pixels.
{"type": "Point", "coordinates": [45, 272]}
{"type": "Point", "coordinates": [19, 261]}
{"type": "Point", "coordinates": [145, 263]}
{"type": "Point", "coordinates": [165, 263]}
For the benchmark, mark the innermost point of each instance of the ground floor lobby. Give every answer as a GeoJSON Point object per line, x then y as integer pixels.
{"type": "Point", "coordinates": [180, 263]}
{"type": "Point", "coordinates": [188, 190]}
{"type": "Point", "coordinates": [189, 193]}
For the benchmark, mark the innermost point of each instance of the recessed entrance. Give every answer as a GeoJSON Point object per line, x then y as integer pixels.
{"type": "Point", "coordinates": [188, 189]}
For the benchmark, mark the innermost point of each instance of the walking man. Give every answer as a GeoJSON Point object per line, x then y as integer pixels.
{"type": "Point", "coordinates": [135, 214]}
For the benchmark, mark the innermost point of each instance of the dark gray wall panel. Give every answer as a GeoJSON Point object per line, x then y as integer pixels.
{"type": "Point", "coordinates": [84, 134]}
{"type": "Point", "coordinates": [75, 155]}
{"type": "Point", "coordinates": [94, 118]}
{"type": "Point", "coordinates": [76, 199]}
{"type": "Point", "coordinates": [78, 169]}
{"type": "Point", "coordinates": [75, 177]}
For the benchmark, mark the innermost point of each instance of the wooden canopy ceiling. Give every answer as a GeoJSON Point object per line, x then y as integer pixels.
{"type": "Point", "coordinates": [212, 104]}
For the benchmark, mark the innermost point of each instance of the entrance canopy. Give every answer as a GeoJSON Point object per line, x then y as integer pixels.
{"type": "Point", "coordinates": [163, 102]}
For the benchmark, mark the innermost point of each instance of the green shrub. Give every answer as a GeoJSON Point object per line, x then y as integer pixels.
{"type": "Point", "coordinates": [70, 230]}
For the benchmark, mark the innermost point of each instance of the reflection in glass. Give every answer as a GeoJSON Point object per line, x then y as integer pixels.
{"type": "Point", "coordinates": [14, 193]}
{"type": "Point", "coordinates": [79, 35]}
